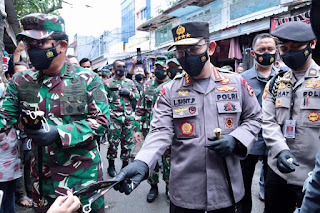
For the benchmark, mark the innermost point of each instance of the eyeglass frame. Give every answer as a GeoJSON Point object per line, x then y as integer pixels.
{"type": "Point", "coordinates": [188, 49]}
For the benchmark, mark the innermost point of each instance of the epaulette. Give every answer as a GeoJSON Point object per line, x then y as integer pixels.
{"type": "Point", "coordinates": [227, 71]}
{"type": "Point", "coordinates": [274, 83]}
{"type": "Point", "coordinates": [179, 76]}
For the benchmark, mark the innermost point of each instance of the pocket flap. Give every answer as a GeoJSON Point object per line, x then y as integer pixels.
{"type": "Point", "coordinates": [229, 107]}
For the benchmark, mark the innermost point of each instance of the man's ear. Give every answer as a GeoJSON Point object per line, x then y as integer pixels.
{"type": "Point", "coordinates": [313, 44]}
{"type": "Point", "coordinates": [212, 47]}
{"type": "Point", "coordinates": [63, 46]}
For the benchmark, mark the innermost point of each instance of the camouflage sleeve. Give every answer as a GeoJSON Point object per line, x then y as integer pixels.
{"type": "Point", "coordinates": [97, 120]}
{"type": "Point", "coordinates": [134, 93]}
{"type": "Point", "coordinates": [140, 112]}
{"type": "Point", "coordinates": [9, 106]}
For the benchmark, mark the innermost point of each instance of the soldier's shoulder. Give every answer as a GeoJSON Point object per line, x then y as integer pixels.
{"type": "Point", "coordinates": [84, 71]}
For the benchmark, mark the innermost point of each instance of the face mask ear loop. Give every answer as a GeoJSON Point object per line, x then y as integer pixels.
{"type": "Point", "coordinates": [45, 125]}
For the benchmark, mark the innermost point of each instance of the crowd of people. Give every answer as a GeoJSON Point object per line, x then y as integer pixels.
{"type": "Point", "coordinates": [202, 125]}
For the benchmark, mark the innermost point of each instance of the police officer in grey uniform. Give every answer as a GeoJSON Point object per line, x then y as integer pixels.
{"type": "Point", "coordinates": [205, 171]}
{"type": "Point", "coordinates": [291, 121]}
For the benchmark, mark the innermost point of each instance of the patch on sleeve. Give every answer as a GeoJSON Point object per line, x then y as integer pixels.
{"type": "Point", "coordinates": [98, 95]}
{"type": "Point", "coordinates": [249, 88]}
{"type": "Point", "coordinates": [162, 92]}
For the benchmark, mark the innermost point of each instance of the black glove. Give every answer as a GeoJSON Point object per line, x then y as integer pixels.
{"type": "Point", "coordinates": [124, 92]}
{"type": "Point", "coordinates": [223, 146]}
{"type": "Point", "coordinates": [131, 176]}
{"type": "Point", "coordinates": [42, 138]}
{"type": "Point", "coordinates": [284, 163]}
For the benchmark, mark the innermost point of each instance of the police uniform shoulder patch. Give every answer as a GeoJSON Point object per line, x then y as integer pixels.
{"type": "Point", "coordinates": [247, 85]}
{"type": "Point", "coordinates": [225, 80]}
{"type": "Point", "coordinates": [265, 92]}
{"type": "Point", "coordinates": [187, 80]}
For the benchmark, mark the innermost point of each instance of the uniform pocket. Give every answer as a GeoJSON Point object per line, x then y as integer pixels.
{"type": "Point", "coordinates": [229, 115]}
{"type": "Point", "coordinates": [74, 108]}
{"type": "Point", "coordinates": [186, 127]}
{"type": "Point", "coordinates": [282, 110]}
{"type": "Point", "coordinates": [309, 111]}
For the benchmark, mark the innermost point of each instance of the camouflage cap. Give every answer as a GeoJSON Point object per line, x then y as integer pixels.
{"type": "Point", "coordinates": [40, 26]}
{"type": "Point", "coordinates": [161, 60]}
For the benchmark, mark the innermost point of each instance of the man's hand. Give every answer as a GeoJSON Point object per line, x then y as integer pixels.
{"type": "Point", "coordinates": [286, 162]}
{"type": "Point", "coordinates": [131, 176]}
{"type": "Point", "coordinates": [42, 138]}
{"type": "Point", "coordinates": [138, 136]}
{"type": "Point", "coordinates": [223, 146]}
{"type": "Point", "coordinates": [124, 92]}
{"type": "Point", "coordinates": [65, 204]}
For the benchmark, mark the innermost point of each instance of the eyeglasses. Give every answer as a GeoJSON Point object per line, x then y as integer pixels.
{"type": "Point", "coordinates": [192, 50]}
{"type": "Point", "coordinates": [28, 42]}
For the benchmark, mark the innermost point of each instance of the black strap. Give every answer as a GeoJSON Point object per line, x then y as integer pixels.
{"type": "Point", "coordinates": [40, 173]}
{"type": "Point", "coordinates": [226, 171]}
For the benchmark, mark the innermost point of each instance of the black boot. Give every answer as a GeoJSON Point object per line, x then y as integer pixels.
{"type": "Point", "coordinates": [111, 169]}
{"type": "Point", "coordinates": [153, 193]}
{"type": "Point", "coordinates": [124, 163]}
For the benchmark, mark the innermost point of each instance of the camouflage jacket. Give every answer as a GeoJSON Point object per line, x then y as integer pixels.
{"type": "Point", "coordinates": [148, 97]}
{"type": "Point", "coordinates": [120, 105]}
{"type": "Point", "coordinates": [75, 102]}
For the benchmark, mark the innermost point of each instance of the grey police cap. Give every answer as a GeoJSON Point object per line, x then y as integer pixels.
{"type": "Point", "coordinates": [294, 31]}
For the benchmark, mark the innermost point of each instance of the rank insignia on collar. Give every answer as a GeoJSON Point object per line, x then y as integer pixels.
{"type": "Point", "coordinates": [281, 86]}
{"type": "Point", "coordinates": [229, 122]}
{"type": "Point", "coordinates": [229, 107]}
{"type": "Point", "coordinates": [225, 88]}
{"type": "Point", "coordinates": [187, 79]}
{"type": "Point", "coordinates": [265, 92]}
{"type": "Point", "coordinates": [313, 116]}
{"type": "Point", "coordinates": [180, 110]}
{"type": "Point", "coordinates": [225, 80]}
{"type": "Point", "coordinates": [192, 109]}
{"type": "Point", "coordinates": [216, 74]}
{"type": "Point", "coordinates": [186, 128]}
{"type": "Point", "coordinates": [183, 92]}
{"type": "Point", "coordinates": [309, 82]}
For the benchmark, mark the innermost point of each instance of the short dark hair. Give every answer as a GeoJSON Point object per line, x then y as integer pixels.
{"type": "Point", "coordinates": [104, 74]}
{"type": "Point", "coordinates": [115, 62]}
{"type": "Point", "coordinates": [21, 63]}
{"type": "Point", "coordinates": [261, 36]}
{"type": "Point", "coordinates": [84, 60]}
{"type": "Point", "coordinates": [59, 36]}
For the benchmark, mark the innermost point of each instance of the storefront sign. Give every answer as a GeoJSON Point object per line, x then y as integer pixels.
{"type": "Point", "coordinates": [304, 17]}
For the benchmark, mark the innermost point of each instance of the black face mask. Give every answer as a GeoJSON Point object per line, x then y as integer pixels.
{"type": "Point", "coordinates": [174, 72]}
{"type": "Point", "coordinates": [193, 64]}
{"type": "Point", "coordinates": [265, 59]}
{"type": "Point", "coordinates": [296, 58]}
{"type": "Point", "coordinates": [139, 77]}
{"type": "Point", "coordinates": [160, 74]}
{"type": "Point", "coordinates": [42, 58]}
{"type": "Point", "coordinates": [120, 72]}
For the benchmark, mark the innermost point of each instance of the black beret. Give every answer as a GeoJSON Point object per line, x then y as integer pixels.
{"type": "Point", "coordinates": [294, 31]}
{"type": "Point", "coordinates": [190, 33]}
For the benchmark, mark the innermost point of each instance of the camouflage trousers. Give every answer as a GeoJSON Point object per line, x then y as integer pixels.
{"type": "Point", "coordinates": [154, 178]}
{"type": "Point", "coordinates": [55, 183]}
{"type": "Point", "coordinates": [121, 131]}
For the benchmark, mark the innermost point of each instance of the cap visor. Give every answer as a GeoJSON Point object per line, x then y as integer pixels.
{"type": "Point", "coordinates": [161, 63]}
{"type": "Point", "coordinates": [34, 34]}
{"type": "Point", "coordinates": [186, 41]}
{"type": "Point", "coordinates": [174, 60]}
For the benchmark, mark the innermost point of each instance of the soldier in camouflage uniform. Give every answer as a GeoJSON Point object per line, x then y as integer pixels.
{"type": "Point", "coordinates": [75, 107]}
{"type": "Point", "coordinates": [144, 114]}
{"type": "Point", "coordinates": [121, 92]}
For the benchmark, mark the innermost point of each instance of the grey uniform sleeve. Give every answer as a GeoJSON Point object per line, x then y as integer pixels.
{"type": "Point", "coordinates": [160, 134]}
{"type": "Point", "coordinates": [271, 130]}
{"type": "Point", "coordinates": [251, 118]}
{"type": "Point", "coordinates": [311, 199]}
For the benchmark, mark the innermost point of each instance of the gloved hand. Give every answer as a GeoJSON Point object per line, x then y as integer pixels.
{"type": "Point", "coordinates": [42, 138]}
{"type": "Point", "coordinates": [284, 163]}
{"type": "Point", "coordinates": [124, 92]}
{"type": "Point", "coordinates": [223, 146]}
{"type": "Point", "coordinates": [131, 176]}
